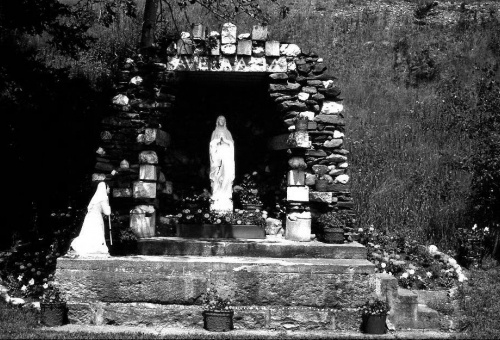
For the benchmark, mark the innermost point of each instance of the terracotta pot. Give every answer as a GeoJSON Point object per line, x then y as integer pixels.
{"type": "Point", "coordinates": [374, 324]}
{"type": "Point", "coordinates": [53, 314]}
{"type": "Point", "coordinates": [334, 235]}
{"type": "Point", "coordinates": [220, 321]}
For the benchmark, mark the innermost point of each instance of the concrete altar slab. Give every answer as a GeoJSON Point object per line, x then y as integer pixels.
{"type": "Point", "coordinates": [271, 247]}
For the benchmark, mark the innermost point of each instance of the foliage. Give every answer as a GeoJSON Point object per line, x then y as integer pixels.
{"type": "Point", "coordinates": [213, 301]}
{"type": "Point", "coordinates": [51, 294]}
{"type": "Point", "coordinates": [329, 220]}
{"type": "Point", "coordinates": [375, 307]}
{"type": "Point", "coordinates": [479, 304]}
{"type": "Point", "coordinates": [238, 217]}
{"type": "Point", "coordinates": [471, 245]}
{"type": "Point", "coordinates": [247, 192]}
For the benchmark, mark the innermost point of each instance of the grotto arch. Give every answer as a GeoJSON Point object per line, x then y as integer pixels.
{"type": "Point", "coordinates": [137, 137]}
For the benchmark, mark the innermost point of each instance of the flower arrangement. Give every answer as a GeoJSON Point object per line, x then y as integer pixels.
{"type": "Point", "coordinates": [247, 192]}
{"type": "Point", "coordinates": [238, 217]}
{"type": "Point", "coordinates": [375, 307]}
{"type": "Point", "coordinates": [213, 302]}
{"type": "Point", "coordinates": [51, 294]}
{"type": "Point", "coordinates": [471, 245]}
{"type": "Point", "coordinates": [201, 200]}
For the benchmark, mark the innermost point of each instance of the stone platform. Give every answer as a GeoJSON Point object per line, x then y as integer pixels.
{"type": "Point", "coordinates": [292, 285]}
{"type": "Point", "coordinates": [270, 247]}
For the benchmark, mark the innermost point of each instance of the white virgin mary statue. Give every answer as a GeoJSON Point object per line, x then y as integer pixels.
{"type": "Point", "coordinates": [222, 168]}
{"type": "Point", "coordinates": [91, 239]}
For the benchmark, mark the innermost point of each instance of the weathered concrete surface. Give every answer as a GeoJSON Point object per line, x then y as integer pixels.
{"type": "Point", "coordinates": [200, 333]}
{"type": "Point", "coordinates": [245, 317]}
{"type": "Point", "coordinates": [319, 283]}
{"type": "Point", "coordinates": [279, 248]}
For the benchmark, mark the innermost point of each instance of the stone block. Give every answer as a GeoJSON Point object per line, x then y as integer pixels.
{"type": "Point", "coordinates": [122, 192]}
{"type": "Point", "coordinates": [259, 33]}
{"type": "Point", "coordinates": [276, 64]}
{"type": "Point", "coordinates": [147, 172]}
{"type": "Point", "coordinates": [226, 63]}
{"type": "Point", "coordinates": [329, 119]}
{"type": "Point", "coordinates": [333, 143]}
{"type": "Point", "coordinates": [257, 64]}
{"type": "Point", "coordinates": [157, 137]}
{"type": "Point", "coordinates": [299, 139]}
{"type": "Point", "coordinates": [144, 190]}
{"type": "Point", "coordinates": [285, 88]}
{"type": "Point", "coordinates": [228, 33]}
{"type": "Point", "coordinates": [244, 47]}
{"type": "Point", "coordinates": [228, 49]}
{"type": "Point", "coordinates": [198, 32]}
{"type": "Point", "coordinates": [272, 48]}
{"type": "Point", "coordinates": [185, 47]}
{"type": "Point", "coordinates": [290, 50]}
{"type": "Point", "coordinates": [148, 157]}
{"type": "Point", "coordinates": [330, 108]}
{"type": "Point", "coordinates": [321, 197]}
{"type": "Point", "coordinates": [296, 177]}
{"type": "Point", "coordinates": [297, 194]}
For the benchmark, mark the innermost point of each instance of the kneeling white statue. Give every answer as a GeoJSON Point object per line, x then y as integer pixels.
{"type": "Point", "coordinates": [91, 240]}
{"type": "Point", "coordinates": [222, 170]}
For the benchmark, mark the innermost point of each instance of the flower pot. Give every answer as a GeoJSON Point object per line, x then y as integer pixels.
{"type": "Point", "coordinates": [53, 314]}
{"type": "Point", "coordinates": [374, 324]}
{"type": "Point", "coordinates": [218, 321]}
{"type": "Point", "coordinates": [334, 235]}
{"type": "Point", "coordinates": [251, 207]}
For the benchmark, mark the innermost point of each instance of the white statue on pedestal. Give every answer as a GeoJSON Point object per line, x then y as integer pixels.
{"type": "Point", "coordinates": [91, 239]}
{"type": "Point", "coordinates": [222, 168]}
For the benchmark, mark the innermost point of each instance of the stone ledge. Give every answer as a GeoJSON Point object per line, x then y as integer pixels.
{"type": "Point", "coordinates": [319, 283]}
{"type": "Point", "coordinates": [277, 248]}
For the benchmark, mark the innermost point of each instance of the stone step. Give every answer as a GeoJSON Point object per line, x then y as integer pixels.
{"type": "Point", "coordinates": [270, 247]}
{"type": "Point", "coordinates": [159, 284]}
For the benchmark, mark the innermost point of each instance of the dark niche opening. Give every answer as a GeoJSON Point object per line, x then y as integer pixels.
{"type": "Point", "coordinates": [252, 119]}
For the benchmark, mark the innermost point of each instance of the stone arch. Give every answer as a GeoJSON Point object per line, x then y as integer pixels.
{"type": "Point", "coordinates": [306, 98]}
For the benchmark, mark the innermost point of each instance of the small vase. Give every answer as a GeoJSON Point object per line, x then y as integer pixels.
{"type": "Point", "coordinates": [218, 321]}
{"type": "Point", "coordinates": [374, 324]}
{"type": "Point", "coordinates": [53, 314]}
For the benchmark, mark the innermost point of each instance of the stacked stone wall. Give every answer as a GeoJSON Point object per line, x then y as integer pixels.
{"type": "Point", "coordinates": [307, 98]}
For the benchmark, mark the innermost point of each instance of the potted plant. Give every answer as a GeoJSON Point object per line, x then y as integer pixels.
{"type": "Point", "coordinates": [331, 228]}
{"type": "Point", "coordinates": [374, 314]}
{"type": "Point", "coordinates": [217, 311]}
{"type": "Point", "coordinates": [52, 306]}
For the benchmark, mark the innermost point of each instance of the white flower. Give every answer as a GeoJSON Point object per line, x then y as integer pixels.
{"type": "Point", "coordinates": [31, 282]}
{"type": "Point", "coordinates": [452, 261]}
{"type": "Point", "coordinates": [19, 278]}
{"type": "Point", "coordinates": [429, 274]}
{"type": "Point", "coordinates": [372, 228]}
{"type": "Point", "coordinates": [383, 265]}
{"type": "Point", "coordinates": [360, 230]}
{"type": "Point", "coordinates": [411, 271]}
{"type": "Point", "coordinates": [486, 229]}
{"type": "Point", "coordinates": [461, 278]}
{"type": "Point", "coordinates": [23, 288]}
{"type": "Point", "coordinates": [45, 286]}
{"type": "Point", "coordinates": [474, 227]}
{"type": "Point", "coordinates": [376, 246]}
{"type": "Point", "coordinates": [432, 249]}
{"type": "Point", "coordinates": [404, 275]}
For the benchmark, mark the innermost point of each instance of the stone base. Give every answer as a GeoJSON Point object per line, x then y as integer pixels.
{"type": "Point", "coordinates": [271, 292]}
{"type": "Point", "coordinates": [245, 317]}
{"type": "Point", "coordinates": [220, 231]}
{"type": "Point", "coordinates": [270, 247]}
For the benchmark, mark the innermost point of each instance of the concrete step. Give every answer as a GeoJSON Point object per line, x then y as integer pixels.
{"type": "Point", "coordinates": [270, 247]}
{"type": "Point", "coordinates": [287, 293]}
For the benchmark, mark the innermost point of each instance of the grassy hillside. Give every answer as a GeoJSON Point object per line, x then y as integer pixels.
{"type": "Point", "coordinates": [411, 75]}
